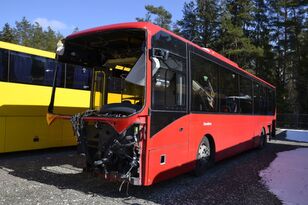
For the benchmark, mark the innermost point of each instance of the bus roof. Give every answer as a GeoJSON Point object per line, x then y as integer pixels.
{"type": "Point", "coordinates": [28, 50]}
{"type": "Point", "coordinates": [152, 29]}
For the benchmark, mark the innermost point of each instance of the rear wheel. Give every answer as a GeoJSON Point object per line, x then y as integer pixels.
{"type": "Point", "coordinates": [205, 157]}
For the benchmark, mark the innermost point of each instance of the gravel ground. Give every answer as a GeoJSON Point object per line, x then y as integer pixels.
{"type": "Point", "coordinates": [55, 177]}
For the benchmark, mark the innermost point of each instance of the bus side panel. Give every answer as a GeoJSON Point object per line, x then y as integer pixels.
{"type": "Point", "coordinates": [2, 133]}
{"type": "Point", "coordinates": [231, 133]}
{"type": "Point", "coordinates": [168, 149]}
{"type": "Point", "coordinates": [24, 133]}
{"type": "Point", "coordinates": [24, 112]}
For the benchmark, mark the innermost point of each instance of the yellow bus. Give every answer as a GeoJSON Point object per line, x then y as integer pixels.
{"type": "Point", "coordinates": [26, 76]}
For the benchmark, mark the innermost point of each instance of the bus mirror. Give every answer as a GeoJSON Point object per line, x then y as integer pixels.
{"type": "Point", "coordinates": [160, 53]}
{"type": "Point", "coordinates": [60, 48]}
{"type": "Point", "coordinates": [155, 65]}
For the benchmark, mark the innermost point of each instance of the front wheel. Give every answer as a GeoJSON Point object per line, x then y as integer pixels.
{"type": "Point", "coordinates": [205, 157]}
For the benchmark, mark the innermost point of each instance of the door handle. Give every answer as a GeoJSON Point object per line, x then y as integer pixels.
{"type": "Point", "coordinates": [181, 129]}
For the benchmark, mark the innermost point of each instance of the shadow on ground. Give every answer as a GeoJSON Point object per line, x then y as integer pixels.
{"type": "Point", "coordinates": [235, 180]}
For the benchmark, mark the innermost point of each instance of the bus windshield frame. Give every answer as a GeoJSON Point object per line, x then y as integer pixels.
{"type": "Point", "coordinates": [118, 61]}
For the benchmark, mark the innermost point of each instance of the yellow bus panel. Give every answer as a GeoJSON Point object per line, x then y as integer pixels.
{"type": "Point", "coordinates": [23, 116]}
{"type": "Point", "coordinates": [2, 134]}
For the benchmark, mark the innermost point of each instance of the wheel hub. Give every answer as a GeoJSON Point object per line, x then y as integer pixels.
{"type": "Point", "coordinates": [204, 152]}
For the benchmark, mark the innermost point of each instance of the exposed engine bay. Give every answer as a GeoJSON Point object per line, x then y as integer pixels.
{"type": "Point", "coordinates": [108, 152]}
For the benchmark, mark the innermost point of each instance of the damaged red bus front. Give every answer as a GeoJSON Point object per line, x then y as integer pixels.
{"type": "Point", "coordinates": [160, 105]}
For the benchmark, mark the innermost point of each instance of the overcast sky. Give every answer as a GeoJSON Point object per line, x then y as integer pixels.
{"type": "Point", "coordinates": [65, 15]}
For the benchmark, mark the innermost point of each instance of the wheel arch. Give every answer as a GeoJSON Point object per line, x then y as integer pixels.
{"type": "Point", "coordinates": [212, 144]}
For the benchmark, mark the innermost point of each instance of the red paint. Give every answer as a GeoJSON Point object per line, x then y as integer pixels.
{"type": "Point", "coordinates": [179, 140]}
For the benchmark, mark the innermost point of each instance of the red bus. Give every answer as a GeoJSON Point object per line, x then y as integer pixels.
{"type": "Point", "coordinates": [178, 107]}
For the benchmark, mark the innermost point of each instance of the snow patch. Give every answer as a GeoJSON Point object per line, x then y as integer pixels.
{"type": "Point", "coordinates": [287, 176]}
{"type": "Point", "coordinates": [62, 169]}
{"type": "Point", "coordinates": [297, 135]}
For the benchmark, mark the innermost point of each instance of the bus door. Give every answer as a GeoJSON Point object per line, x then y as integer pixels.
{"type": "Point", "coordinates": [169, 128]}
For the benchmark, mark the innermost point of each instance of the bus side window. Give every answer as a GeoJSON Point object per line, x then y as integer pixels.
{"type": "Point", "coordinates": [38, 70]}
{"type": "Point", "coordinates": [3, 64]}
{"type": "Point", "coordinates": [245, 95]}
{"type": "Point", "coordinates": [229, 91]}
{"type": "Point", "coordinates": [256, 98]}
{"type": "Point", "coordinates": [204, 84]}
{"type": "Point", "coordinates": [49, 73]}
{"type": "Point", "coordinates": [20, 68]}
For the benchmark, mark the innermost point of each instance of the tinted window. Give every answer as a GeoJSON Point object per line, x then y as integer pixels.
{"type": "Point", "coordinates": [204, 76]}
{"type": "Point", "coordinates": [229, 91]}
{"type": "Point", "coordinates": [262, 100]}
{"type": "Point", "coordinates": [245, 96]}
{"type": "Point", "coordinates": [270, 97]}
{"type": "Point", "coordinates": [78, 77]}
{"type": "Point", "coordinates": [169, 86]}
{"type": "Point", "coordinates": [256, 98]}
{"type": "Point", "coordinates": [20, 68]}
{"type": "Point", "coordinates": [49, 73]}
{"type": "Point", "coordinates": [25, 68]}
{"type": "Point", "coordinates": [168, 42]}
{"type": "Point", "coordinates": [3, 64]}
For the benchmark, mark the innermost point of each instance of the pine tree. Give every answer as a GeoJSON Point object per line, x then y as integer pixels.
{"type": "Point", "coordinates": [51, 39]}
{"type": "Point", "coordinates": [37, 36]}
{"type": "Point", "coordinates": [189, 25]}
{"type": "Point", "coordinates": [8, 34]}
{"type": "Point", "coordinates": [208, 21]}
{"type": "Point", "coordinates": [260, 36]}
{"type": "Point", "coordinates": [235, 44]}
{"type": "Point", "coordinates": [287, 24]}
{"type": "Point", "coordinates": [162, 16]}
{"type": "Point", "coordinates": [302, 77]}
{"type": "Point", "coordinates": [24, 32]}
{"type": "Point", "coordinates": [200, 22]}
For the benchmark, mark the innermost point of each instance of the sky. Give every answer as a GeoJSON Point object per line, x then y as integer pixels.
{"type": "Point", "coordinates": [65, 15]}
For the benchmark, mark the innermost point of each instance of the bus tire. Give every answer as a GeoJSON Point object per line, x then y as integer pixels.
{"type": "Point", "coordinates": [205, 157]}
{"type": "Point", "coordinates": [263, 140]}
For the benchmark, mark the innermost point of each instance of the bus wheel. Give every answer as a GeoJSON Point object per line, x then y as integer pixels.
{"type": "Point", "coordinates": [204, 157]}
{"type": "Point", "coordinates": [262, 141]}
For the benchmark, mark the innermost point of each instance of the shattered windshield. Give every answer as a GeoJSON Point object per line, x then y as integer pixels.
{"type": "Point", "coordinates": [118, 62]}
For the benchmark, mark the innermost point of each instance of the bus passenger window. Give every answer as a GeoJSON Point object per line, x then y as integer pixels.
{"type": "Point", "coordinates": [204, 84]}
{"type": "Point", "coordinates": [3, 64]}
{"type": "Point", "coordinates": [38, 70]}
{"type": "Point", "coordinates": [229, 91]}
{"type": "Point", "coordinates": [245, 96]}
{"type": "Point", "coordinates": [256, 98]}
{"type": "Point", "coordinates": [20, 68]}
{"type": "Point", "coordinates": [49, 73]}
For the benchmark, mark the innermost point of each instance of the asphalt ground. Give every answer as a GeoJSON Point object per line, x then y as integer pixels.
{"type": "Point", "coordinates": [55, 176]}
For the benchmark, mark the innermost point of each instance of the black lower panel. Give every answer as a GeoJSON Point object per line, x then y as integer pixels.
{"type": "Point", "coordinates": [160, 119]}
